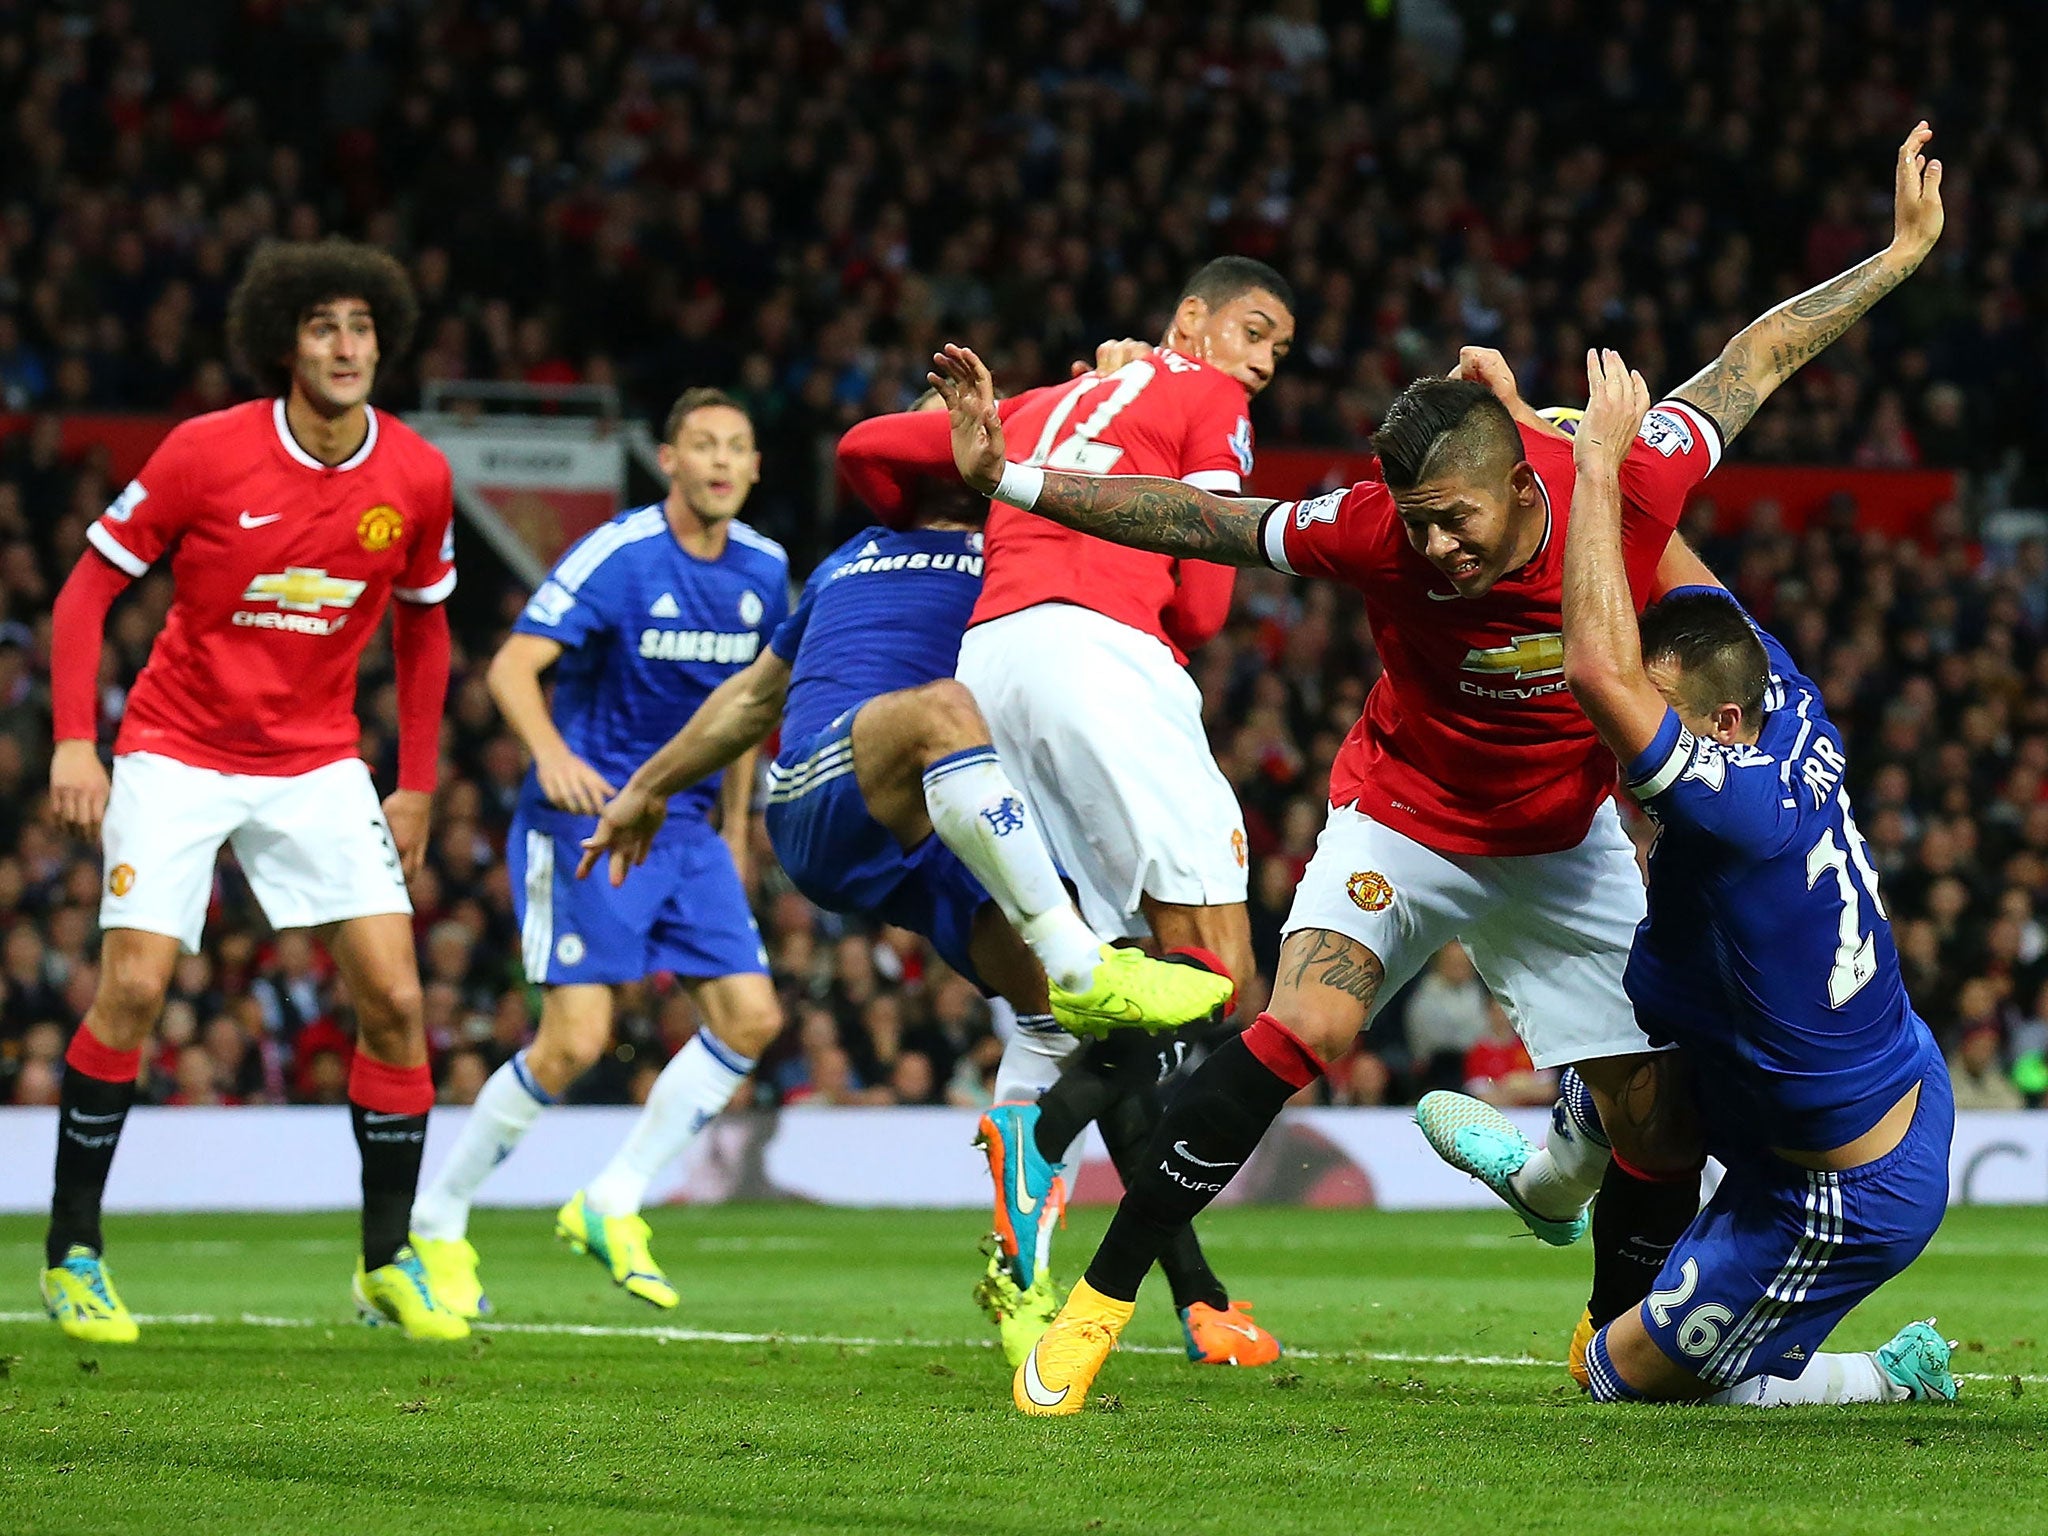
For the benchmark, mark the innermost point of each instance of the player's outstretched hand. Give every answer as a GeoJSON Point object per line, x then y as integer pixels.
{"type": "Point", "coordinates": [1916, 198]}
{"type": "Point", "coordinates": [625, 831]}
{"type": "Point", "coordinates": [571, 784]}
{"type": "Point", "coordinates": [1616, 400]}
{"type": "Point", "coordinates": [1112, 355]}
{"type": "Point", "coordinates": [409, 813]}
{"type": "Point", "coordinates": [78, 789]}
{"type": "Point", "coordinates": [963, 382]}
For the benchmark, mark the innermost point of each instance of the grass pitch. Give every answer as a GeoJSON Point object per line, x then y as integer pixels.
{"type": "Point", "coordinates": [827, 1372]}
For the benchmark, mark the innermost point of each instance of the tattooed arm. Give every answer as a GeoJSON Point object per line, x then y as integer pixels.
{"type": "Point", "coordinates": [1142, 511]}
{"type": "Point", "coordinates": [1772, 348]}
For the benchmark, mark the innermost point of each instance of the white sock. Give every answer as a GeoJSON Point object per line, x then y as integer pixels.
{"type": "Point", "coordinates": [1826, 1379]}
{"type": "Point", "coordinates": [698, 1082]}
{"type": "Point", "coordinates": [1557, 1181]}
{"type": "Point", "coordinates": [979, 814]}
{"type": "Point", "coordinates": [1032, 1058]}
{"type": "Point", "coordinates": [504, 1112]}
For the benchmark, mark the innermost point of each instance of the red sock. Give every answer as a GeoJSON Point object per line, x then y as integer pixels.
{"type": "Point", "coordinates": [1281, 1052]}
{"type": "Point", "coordinates": [87, 1053]}
{"type": "Point", "coordinates": [388, 1090]}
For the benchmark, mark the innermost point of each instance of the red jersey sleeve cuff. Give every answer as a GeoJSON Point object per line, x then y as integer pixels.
{"type": "Point", "coordinates": [123, 559]}
{"type": "Point", "coordinates": [434, 593]}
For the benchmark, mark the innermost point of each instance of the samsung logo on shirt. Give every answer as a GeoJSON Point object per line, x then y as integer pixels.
{"type": "Point", "coordinates": [698, 645]}
{"type": "Point", "coordinates": [969, 565]}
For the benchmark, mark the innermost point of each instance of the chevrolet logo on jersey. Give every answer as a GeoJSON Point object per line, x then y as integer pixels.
{"type": "Point", "coordinates": [304, 589]}
{"type": "Point", "coordinates": [1529, 656]}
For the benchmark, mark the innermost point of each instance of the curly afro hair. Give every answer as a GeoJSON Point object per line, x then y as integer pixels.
{"type": "Point", "coordinates": [286, 280]}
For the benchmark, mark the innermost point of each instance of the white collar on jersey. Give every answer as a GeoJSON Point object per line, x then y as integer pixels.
{"type": "Point", "coordinates": [291, 444]}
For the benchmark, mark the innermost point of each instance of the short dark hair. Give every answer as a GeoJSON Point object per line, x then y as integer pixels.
{"type": "Point", "coordinates": [701, 398]}
{"type": "Point", "coordinates": [1718, 655]}
{"type": "Point", "coordinates": [1217, 282]}
{"type": "Point", "coordinates": [1438, 424]}
{"type": "Point", "coordinates": [286, 280]}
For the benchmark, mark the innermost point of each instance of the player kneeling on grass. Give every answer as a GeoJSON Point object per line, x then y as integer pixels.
{"type": "Point", "coordinates": [641, 620]}
{"type": "Point", "coordinates": [289, 523]}
{"type": "Point", "coordinates": [1767, 957]}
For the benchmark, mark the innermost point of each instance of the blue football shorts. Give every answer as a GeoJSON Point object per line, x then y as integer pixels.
{"type": "Point", "coordinates": [840, 857]}
{"type": "Point", "coordinates": [684, 911]}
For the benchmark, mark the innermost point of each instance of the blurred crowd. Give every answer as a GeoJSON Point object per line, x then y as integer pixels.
{"type": "Point", "coordinates": [798, 201]}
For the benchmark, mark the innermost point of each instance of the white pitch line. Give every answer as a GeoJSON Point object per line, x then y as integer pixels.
{"type": "Point", "coordinates": [668, 1335]}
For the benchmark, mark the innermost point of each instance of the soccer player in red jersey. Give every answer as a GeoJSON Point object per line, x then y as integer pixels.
{"type": "Point", "coordinates": [1076, 654]}
{"type": "Point", "coordinates": [1472, 800]}
{"type": "Point", "coordinates": [290, 522]}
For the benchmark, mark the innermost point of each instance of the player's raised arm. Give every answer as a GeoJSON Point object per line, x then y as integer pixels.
{"type": "Point", "coordinates": [1772, 348]}
{"type": "Point", "coordinates": [734, 720]}
{"type": "Point", "coordinates": [1142, 511]}
{"type": "Point", "coordinates": [1603, 651]}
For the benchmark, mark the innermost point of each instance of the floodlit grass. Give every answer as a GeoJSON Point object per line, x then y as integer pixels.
{"type": "Point", "coordinates": [863, 1396]}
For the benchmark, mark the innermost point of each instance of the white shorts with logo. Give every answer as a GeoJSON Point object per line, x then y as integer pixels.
{"type": "Point", "coordinates": [314, 845]}
{"type": "Point", "coordinates": [1102, 730]}
{"type": "Point", "coordinates": [1549, 932]}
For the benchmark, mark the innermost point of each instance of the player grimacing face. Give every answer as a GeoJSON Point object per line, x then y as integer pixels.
{"type": "Point", "coordinates": [336, 362]}
{"type": "Point", "coordinates": [1474, 533]}
{"type": "Point", "coordinates": [1245, 337]}
{"type": "Point", "coordinates": [712, 463]}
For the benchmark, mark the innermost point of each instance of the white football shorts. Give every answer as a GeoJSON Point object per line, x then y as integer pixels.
{"type": "Point", "coordinates": [1549, 932]}
{"type": "Point", "coordinates": [1102, 730]}
{"type": "Point", "coordinates": [315, 845]}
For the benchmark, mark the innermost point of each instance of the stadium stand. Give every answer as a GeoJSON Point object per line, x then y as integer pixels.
{"type": "Point", "coordinates": [796, 203]}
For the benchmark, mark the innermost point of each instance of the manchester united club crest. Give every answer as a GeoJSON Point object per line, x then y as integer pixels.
{"type": "Point", "coordinates": [1369, 891]}
{"type": "Point", "coordinates": [380, 528]}
{"type": "Point", "coordinates": [1237, 846]}
{"type": "Point", "coordinates": [121, 879]}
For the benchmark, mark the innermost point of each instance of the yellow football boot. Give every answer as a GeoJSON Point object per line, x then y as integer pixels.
{"type": "Point", "coordinates": [1132, 990]}
{"type": "Point", "coordinates": [1021, 1316]}
{"type": "Point", "coordinates": [450, 1264]}
{"type": "Point", "coordinates": [1575, 1355]}
{"type": "Point", "coordinates": [80, 1295]}
{"type": "Point", "coordinates": [619, 1243]}
{"type": "Point", "coordinates": [1055, 1377]}
{"type": "Point", "coordinates": [399, 1293]}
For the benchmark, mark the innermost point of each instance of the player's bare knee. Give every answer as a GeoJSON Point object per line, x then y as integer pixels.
{"type": "Point", "coordinates": [390, 1013]}
{"type": "Point", "coordinates": [130, 996]}
{"type": "Point", "coordinates": [949, 719]}
{"type": "Point", "coordinates": [752, 1028]}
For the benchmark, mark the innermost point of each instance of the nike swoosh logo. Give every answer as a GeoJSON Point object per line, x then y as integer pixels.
{"type": "Point", "coordinates": [1025, 1200]}
{"type": "Point", "coordinates": [1181, 1149]}
{"type": "Point", "coordinates": [1241, 1330]}
{"type": "Point", "coordinates": [1035, 1387]}
{"type": "Point", "coordinates": [79, 1118]}
{"type": "Point", "coordinates": [257, 522]}
{"type": "Point", "coordinates": [373, 1119]}
{"type": "Point", "coordinates": [1443, 597]}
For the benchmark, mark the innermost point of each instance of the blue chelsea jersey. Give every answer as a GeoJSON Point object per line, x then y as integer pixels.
{"type": "Point", "coordinates": [648, 630]}
{"type": "Point", "coordinates": [885, 610]}
{"type": "Point", "coordinates": [1767, 953]}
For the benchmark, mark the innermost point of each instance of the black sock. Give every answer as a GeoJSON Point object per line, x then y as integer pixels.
{"type": "Point", "coordinates": [1127, 1128]}
{"type": "Point", "coordinates": [1087, 1086]}
{"type": "Point", "coordinates": [1208, 1131]}
{"type": "Point", "coordinates": [1636, 1222]}
{"type": "Point", "coordinates": [390, 1145]}
{"type": "Point", "coordinates": [90, 1114]}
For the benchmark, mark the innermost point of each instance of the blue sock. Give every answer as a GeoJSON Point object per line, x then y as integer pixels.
{"type": "Point", "coordinates": [1605, 1381]}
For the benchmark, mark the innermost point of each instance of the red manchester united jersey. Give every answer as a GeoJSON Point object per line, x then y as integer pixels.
{"type": "Point", "coordinates": [1161, 415]}
{"type": "Point", "coordinates": [1470, 742]}
{"type": "Point", "coordinates": [281, 568]}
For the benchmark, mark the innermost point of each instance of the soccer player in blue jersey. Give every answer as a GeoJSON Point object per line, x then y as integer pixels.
{"type": "Point", "coordinates": [641, 620]}
{"type": "Point", "coordinates": [1767, 958]}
